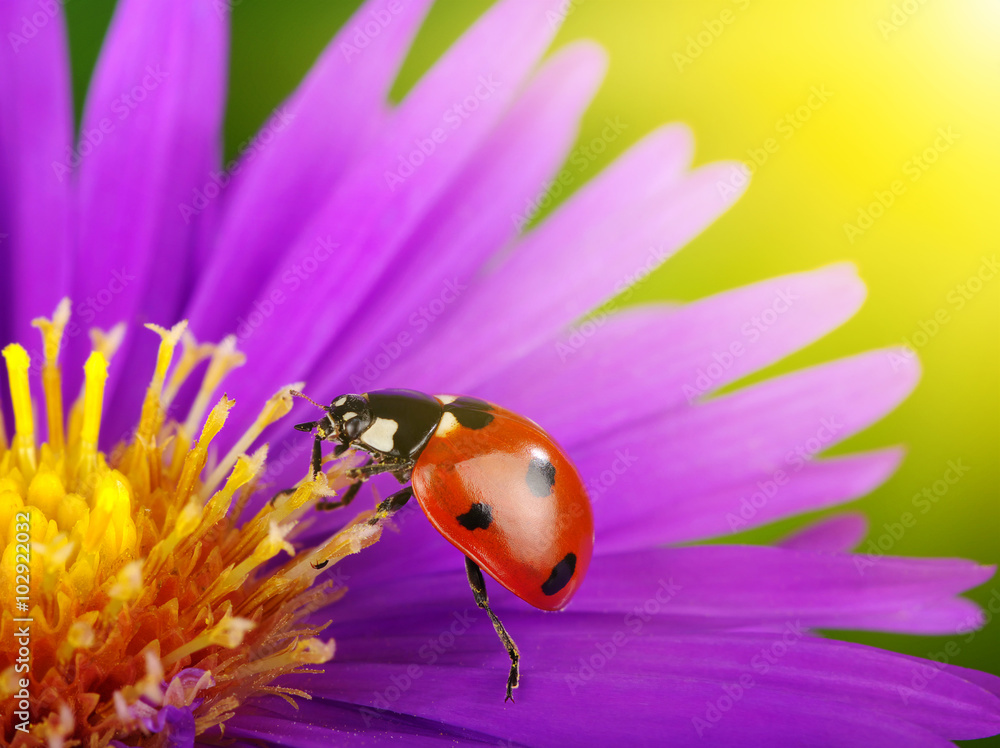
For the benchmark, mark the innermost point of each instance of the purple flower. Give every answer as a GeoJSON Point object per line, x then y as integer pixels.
{"type": "Point", "coordinates": [360, 246]}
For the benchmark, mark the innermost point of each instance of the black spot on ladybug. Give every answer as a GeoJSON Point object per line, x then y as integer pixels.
{"type": "Point", "coordinates": [541, 476]}
{"type": "Point", "coordinates": [561, 574]}
{"type": "Point", "coordinates": [479, 517]}
{"type": "Point", "coordinates": [470, 412]}
{"type": "Point", "coordinates": [473, 403]}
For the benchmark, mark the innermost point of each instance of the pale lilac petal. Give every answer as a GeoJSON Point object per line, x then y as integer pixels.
{"type": "Point", "coordinates": [468, 225]}
{"type": "Point", "coordinates": [302, 150]}
{"type": "Point", "coordinates": [836, 534]}
{"type": "Point", "coordinates": [655, 358]}
{"type": "Point", "coordinates": [153, 117]}
{"type": "Point", "coordinates": [945, 617]}
{"type": "Point", "coordinates": [35, 139]}
{"type": "Point", "coordinates": [370, 215]}
{"type": "Point", "coordinates": [802, 690]}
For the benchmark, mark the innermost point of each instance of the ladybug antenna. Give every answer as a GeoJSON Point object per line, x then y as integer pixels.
{"type": "Point", "coordinates": [296, 393]}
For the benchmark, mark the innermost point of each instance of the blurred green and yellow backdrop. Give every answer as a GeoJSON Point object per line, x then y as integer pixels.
{"type": "Point", "coordinates": [832, 104]}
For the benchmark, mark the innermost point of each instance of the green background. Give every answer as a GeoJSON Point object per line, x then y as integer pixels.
{"type": "Point", "coordinates": [893, 79]}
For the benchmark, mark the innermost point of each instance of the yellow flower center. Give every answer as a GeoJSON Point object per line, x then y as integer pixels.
{"type": "Point", "coordinates": [130, 585]}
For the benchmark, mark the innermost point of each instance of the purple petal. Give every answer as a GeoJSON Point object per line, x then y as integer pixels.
{"type": "Point", "coordinates": [35, 138]}
{"type": "Point", "coordinates": [836, 534]}
{"type": "Point", "coordinates": [656, 358]}
{"type": "Point", "coordinates": [640, 508]}
{"type": "Point", "coordinates": [759, 439]}
{"type": "Point", "coordinates": [625, 222]}
{"type": "Point", "coordinates": [371, 214]}
{"type": "Point", "coordinates": [319, 723]}
{"type": "Point", "coordinates": [785, 688]}
{"type": "Point", "coordinates": [151, 134]}
{"type": "Point", "coordinates": [699, 587]}
{"type": "Point", "coordinates": [302, 151]}
{"type": "Point", "coordinates": [470, 223]}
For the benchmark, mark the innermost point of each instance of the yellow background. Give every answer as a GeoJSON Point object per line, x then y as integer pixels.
{"type": "Point", "coordinates": [896, 72]}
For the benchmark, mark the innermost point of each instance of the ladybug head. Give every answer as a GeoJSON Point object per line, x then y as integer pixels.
{"type": "Point", "coordinates": [347, 417]}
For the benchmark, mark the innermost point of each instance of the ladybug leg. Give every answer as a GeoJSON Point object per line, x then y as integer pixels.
{"type": "Point", "coordinates": [360, 474]}
{"type": "Point", "coordinates": [364, 472]}
{"type": "Point", "coordinates": [344, 500]}
{"type": "Point", "coordinates": [479, 591]}
{"type": "Point", "coordinates": [285, 492]}
{"type": "Point", "coordinates": [317, 456]}
{"type": "Point", "coordinates": [391, 505]}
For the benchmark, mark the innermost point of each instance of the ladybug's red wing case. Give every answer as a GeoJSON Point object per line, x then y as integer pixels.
{"type": "Point", "coordinates": [506, 495]}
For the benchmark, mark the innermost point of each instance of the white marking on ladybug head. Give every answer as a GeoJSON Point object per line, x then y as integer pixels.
{"type": "Point", "coordinates": [349, 416]}
{"type": "Point", "coordinates": [340, 401]}
{"type": "Point", "coordinates": [446, 399]}
{"type": "Point", "coordinates": [380, 434]}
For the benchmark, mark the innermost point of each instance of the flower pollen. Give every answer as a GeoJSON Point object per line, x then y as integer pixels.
{"type": "Point", "coordinates": [136, 607]}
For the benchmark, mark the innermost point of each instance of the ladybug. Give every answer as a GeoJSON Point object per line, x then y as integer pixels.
{"type": "Point", "coordinates": [492, 482]}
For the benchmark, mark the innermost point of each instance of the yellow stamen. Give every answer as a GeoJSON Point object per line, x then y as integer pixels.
{"type": "Point", "coordinates": [152, 407]}
{"type": "Point", "coordinates": [228, 632]}
{"type": "Point", "coordinates": [191, 355]}
{"type": "Point", "coordinates": [107, 344]}
{"type": "Point", "coordinates": [3, 435]}
{"type": "Point", "coordinates": [276, 407]}
{"type": "Point", "coordinates": [95, 376]}
{"type": "Point", "coordinates": [194, 463]}
{"type": "Point", "coordinates": [245, 470]}
{"type": "Point", "coordinates": [81, 636]}
{"type": "Point", "coordinates": [225, 358]}
{"type": "Point", "coordinates": [52, 332]}
{"type": "Point", "coordinates": [143, 550]}
{"type": "Point", "coordinates": [110, 522]}
{"type": "Point", "coordinates": [18, 364]}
